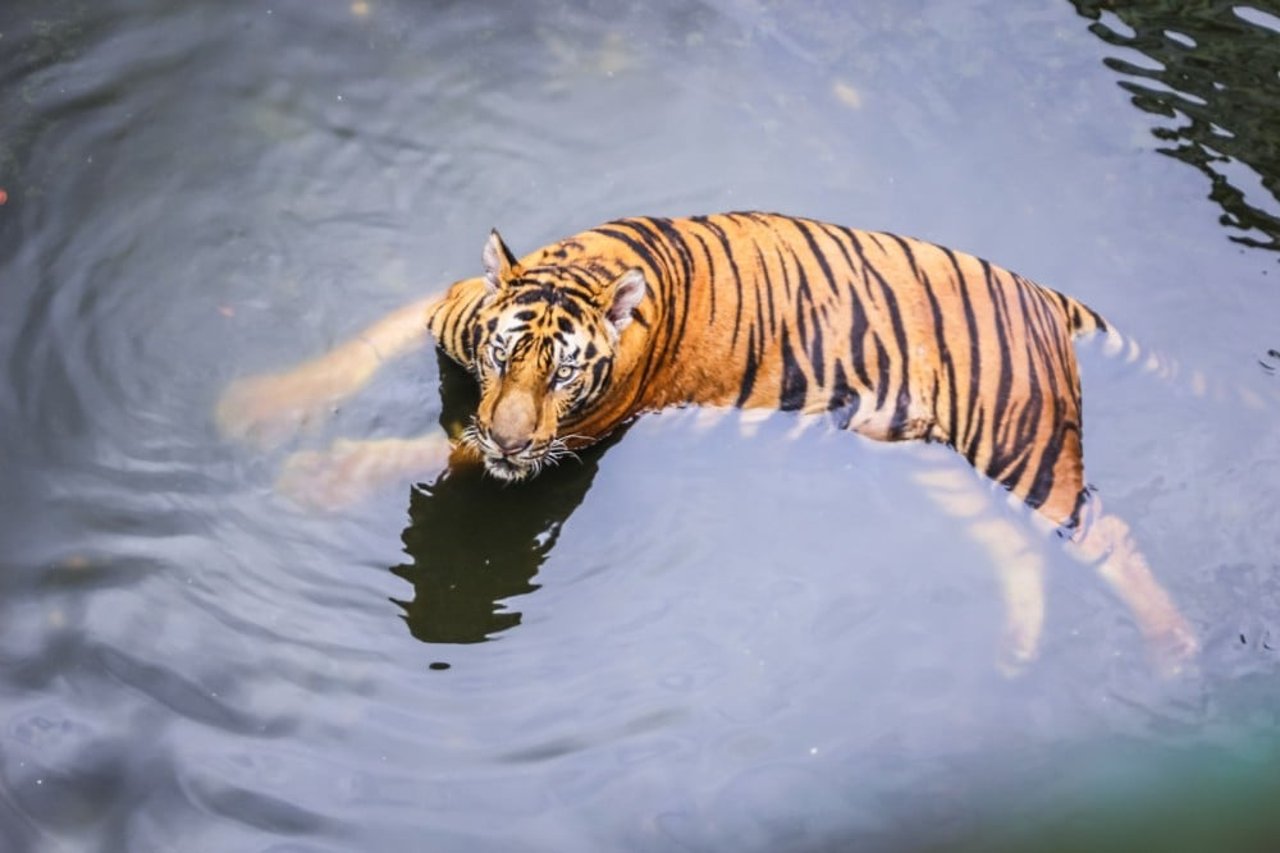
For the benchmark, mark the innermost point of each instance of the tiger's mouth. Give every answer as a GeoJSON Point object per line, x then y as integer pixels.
{"type": "Point", "coordinates": [514, 467]}
{"type": "Point", "coordinates": [503, 466]}
{"type": "Point", "coordinates": [510, 469]}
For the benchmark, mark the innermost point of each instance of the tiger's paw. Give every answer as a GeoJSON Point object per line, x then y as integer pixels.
{"type": "Point", "coordinates": [1018, 649]}
{"type": "Point", "coordinates": [1174, 649]}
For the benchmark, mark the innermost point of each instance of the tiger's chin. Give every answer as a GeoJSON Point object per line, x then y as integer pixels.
{"type": "Point", "coordinates": [509, 470]}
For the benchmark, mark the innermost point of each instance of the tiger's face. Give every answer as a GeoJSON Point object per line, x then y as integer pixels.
{"type": "Point", "coordinates": [543, 344]}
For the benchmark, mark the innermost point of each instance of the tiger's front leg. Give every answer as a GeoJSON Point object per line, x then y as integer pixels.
{"type": "Point", "coordinates": [348, 471]}
{"type": "Point", "coordinates": [267, 409]}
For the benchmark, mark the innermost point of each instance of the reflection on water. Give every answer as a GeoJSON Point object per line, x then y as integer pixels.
{"type": "Point", "coordinates": [476, 541]}
{"type": "Point", "coordinates": [1212, 75]}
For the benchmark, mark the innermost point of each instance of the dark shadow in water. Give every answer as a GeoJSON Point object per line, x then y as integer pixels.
{"type": "Point", "coordinates": [1217, 83]}
{"type": "Point", "coordinates": [475, 541]}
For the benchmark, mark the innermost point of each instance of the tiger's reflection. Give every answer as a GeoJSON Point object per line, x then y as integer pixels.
{"type": "Point", "coordinates": [475, 542]}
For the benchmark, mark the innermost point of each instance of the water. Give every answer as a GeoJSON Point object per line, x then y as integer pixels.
{"type": "Point", "coordinates": [694, 640]}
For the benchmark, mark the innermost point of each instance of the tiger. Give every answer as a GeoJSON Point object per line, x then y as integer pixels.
{"type": "Point", "coordinates": [891, 337]}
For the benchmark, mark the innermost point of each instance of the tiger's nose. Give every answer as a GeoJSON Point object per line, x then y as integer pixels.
{"type": "Point", "coordinates": [513, 422]}
{"type": "Point", "coordinates": [510, 445]}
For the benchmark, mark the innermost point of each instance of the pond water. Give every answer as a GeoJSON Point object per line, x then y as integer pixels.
{"type": "Point", "coordinates": [698, 639]}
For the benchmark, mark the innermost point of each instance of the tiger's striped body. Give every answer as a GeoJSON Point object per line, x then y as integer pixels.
{"type": "Point", "coordinates": [897, 338]}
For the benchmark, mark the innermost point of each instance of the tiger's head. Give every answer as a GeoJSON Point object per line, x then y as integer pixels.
{"type": "Point", "coordinates": [543, 344]}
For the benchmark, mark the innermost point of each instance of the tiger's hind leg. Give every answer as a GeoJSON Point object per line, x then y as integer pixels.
{"type": "Point", "coordinates": [1106, 542]}
{"type": "Point", "coordinates": [1014, 551]}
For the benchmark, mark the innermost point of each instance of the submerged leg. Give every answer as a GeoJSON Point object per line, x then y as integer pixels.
{"type": "Point", "coordinates": [268, 408]}
{"type": "Point", "coordinates": [1014, 552]}
{"type": "Point", "coordinates": [1103, 540]}
{"type": "Point", "coordinates": [1107, 542]}
{"type": "Point", "coordinates": [349, 471]}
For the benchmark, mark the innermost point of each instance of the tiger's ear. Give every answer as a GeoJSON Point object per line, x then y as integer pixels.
{"type": "Point", "coordinates": [623, 296]}
{"type": "Point", "coordinates": [499, 263]}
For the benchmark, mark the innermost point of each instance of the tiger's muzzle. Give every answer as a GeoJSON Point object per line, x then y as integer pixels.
{"type": "Point", "coordinates": [512, 464]}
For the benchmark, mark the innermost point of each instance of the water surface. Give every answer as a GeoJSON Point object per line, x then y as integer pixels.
{"type": "Point", "coordinates": [696, 639]}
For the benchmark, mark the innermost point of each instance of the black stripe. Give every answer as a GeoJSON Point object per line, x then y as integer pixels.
{"type": "Point", "coordinates": [1042, 485]}
{"type": "Point", "coordinates": [898, 423]}
{"type": "Point", "coordinates": [771, 289]}
{"type": "Point", "coordinates": [816, 354]}
{"type": "Point", "coordinates": [834, 233]}
{"type": "Point", "coordinates": [804, 304]}
{"type": "Point", "coordinates": [1019, 436]}
{"type": "Point", "coordinates": [1009, 437]}
{"type": "Point", "coordinates": [900, 340]}
{"type": "Point", "coordinates": [860, 325]}
{"type": "Point", "coordinates": [795, 386]}
{"type": "Point", "coordinates": [762, 295]}
{"type": "Point", "coordinates": [726, 244]}
{"type": "Point", "coordinates": [469, 323]}
{"type": "Point", "coordinates": [1012, 475]}
{"type": "Point", "coordinates": [803, 227]}
{"type": "Point", "coordinates": [714, 285]}
{"type": "Point", "coordinates": [647, 253]}
{"type": "Point", "coordinates": [1043, 482]}
{"type": "Point", "coordinates": [471, 342]}
{"type": "Point", "coordinates": [676, 324]}
{"type": "Point", "coordinates": [768, 287]}
{"type": "Point", "coordinates": [965, 431]}
{"type": "Point", "coordinates": [971, 449]}
{"type": "Point", "coordinates": [599, 375]}
{"type": "Point", "coordinates": [652, 254]}
{"type": "Point", "coordinates": [947, 419]}
{"type": "Point", "coordinates": [749, 374]}
{"type": "Point", "coordinates": [882, 371]}
{"type": "Point", "coordinates": [1001, 322]}
{"type": "Point", "coordinates": [804, 293]}
{"type": "Point", "coordinates": [844, 401]}
{"type": "Point", "coordinates": [1029, 420]}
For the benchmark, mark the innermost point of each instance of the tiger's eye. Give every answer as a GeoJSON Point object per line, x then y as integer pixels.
{"type": "Point", "coordinates": [565, 372]}
{"type": "Point", "coordinates": [499, 355]}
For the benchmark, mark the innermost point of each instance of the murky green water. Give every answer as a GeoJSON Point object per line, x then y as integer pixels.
{"type": "Point", "coordinates": [701, 640]}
